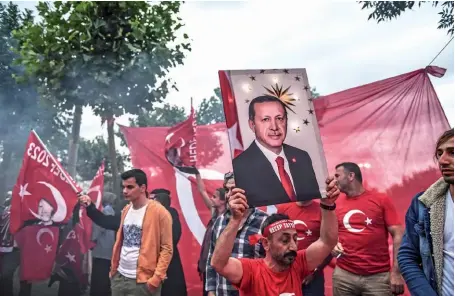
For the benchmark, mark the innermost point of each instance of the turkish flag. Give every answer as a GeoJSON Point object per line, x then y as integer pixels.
{"type": "Point", "coordinates": [38, 245]}
{"type": "Point", "coordinates": [180, 143]}
{"type": "Point", "coordinates": [85, 225]}
{"type": "Point", "coordinates": [43, 190]}
{"type": "Point", "coordinates": [69, 261]}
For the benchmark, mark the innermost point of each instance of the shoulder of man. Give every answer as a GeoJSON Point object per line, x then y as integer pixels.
{"type": "Point", "coordinates": [246, 153]}
{"type": "Point", "coordinates": [294, 150]}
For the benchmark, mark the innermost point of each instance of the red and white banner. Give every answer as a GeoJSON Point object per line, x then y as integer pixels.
{"type": "Point", "coordinates": [38, 245]}
{"type": "Point", "coordinates": [85, 225]}
{"type": "Point", "coordinates": [388, 127]}
{"type": "Point", "coordinates": [180, 143]}
{"type": "Point", "coordinates": [44, 190]}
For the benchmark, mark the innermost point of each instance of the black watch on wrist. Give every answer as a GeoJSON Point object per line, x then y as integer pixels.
{"type": "Point", "coordinates": [328, 208]}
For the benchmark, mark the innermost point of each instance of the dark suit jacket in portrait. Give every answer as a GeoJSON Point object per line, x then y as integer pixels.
{"type": "Point", "coordinates": [255, 174]}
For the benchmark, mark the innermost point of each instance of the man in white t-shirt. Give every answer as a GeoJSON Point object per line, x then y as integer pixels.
{"type": "Point", "coordinates": [426, 254]}
{"type": "Point", "coordinates": [143, 247]}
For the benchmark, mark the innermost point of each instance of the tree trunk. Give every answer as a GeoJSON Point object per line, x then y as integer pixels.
{"type": "Point", "coordinates": [74, 141]}
{"type": "Point", "coordinates": [112, 153]}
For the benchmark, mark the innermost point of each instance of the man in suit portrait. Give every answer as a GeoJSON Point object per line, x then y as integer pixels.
{"type": "Point", "coordinates": [270, 171]}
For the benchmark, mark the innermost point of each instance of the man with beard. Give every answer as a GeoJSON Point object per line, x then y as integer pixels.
{"type": "Point", "coordinates": [426, 254]}
{"type": "Point", "coordinates": [284, 268]}
{"type": "Point", "coordinates": [365, 219]}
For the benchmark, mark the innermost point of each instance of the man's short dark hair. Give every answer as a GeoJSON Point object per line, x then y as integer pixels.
{"type": "Point", "coordinates": [160, 190]}
{"type": "Point", "coordinates": [352, 168]}
{"type": "Point", "coordinates": [263, 99]}
{"type": "Point", "coordinates": [164, 199]}
{"type": "Point", "coordinates": [446, 136]}
{"type": "Point", "coordinates": [272, 219]}
{"type": "Point", "coordinates": [222, 193]}
{"type": "Point", "coordinates": [137, 174]}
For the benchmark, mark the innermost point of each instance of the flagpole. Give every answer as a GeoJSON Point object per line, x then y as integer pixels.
{"type": "Point", "coordinates": [56, 162]}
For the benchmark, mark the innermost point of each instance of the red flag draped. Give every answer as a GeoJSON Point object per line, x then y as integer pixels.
{"type": "Point", "coordinates": [43, 190]}
{"type": "Point", "coordinates": [38, 245]}
{"type": "Point", "coordinates": [389, 127]}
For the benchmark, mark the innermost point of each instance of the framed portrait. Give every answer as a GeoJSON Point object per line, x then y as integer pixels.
{"type": "Point", "coordinates": [276, 148]}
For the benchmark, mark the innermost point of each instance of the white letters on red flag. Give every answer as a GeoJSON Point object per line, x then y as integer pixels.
{"type": "Point", "coordinates": [180, 143]}
{"type": "Point", "coordinates": [38, 245]}
{"type": "Point", "coordinates": [44, 190]}
{"type": "Point", "coordinates": [85, 225]}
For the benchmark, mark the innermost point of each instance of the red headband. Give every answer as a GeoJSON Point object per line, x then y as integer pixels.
{"type": "Point", "coordinates": [272, 228]}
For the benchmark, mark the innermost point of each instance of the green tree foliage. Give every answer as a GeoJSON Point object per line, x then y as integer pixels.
{"type": "Point", "coordinates": [21, 110]}
{"type": "Point", "coordinates": [91, 154]}
{"type": "Point", "coordinates": [168, 115]}
{"type": "Point", "coordinates": [388, 10]}
{"type": "Point", "coordinates": [211, 110]}
{"type": "Point", "coordinates": [112, 56]}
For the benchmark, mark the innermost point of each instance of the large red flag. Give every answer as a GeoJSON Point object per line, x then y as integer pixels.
{"type": "Point", "coordinates": [406, 102]}
{"type": "Point", "coordinates": [180, 143]}
{"type": "Point", "coordinates": [85, 225]}
{"type": "Point", "coordinates": [38, 245]}
{"type": "Point", "coordinates": [44, 190]}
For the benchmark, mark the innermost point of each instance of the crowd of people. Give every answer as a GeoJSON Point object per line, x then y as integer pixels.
{"type": "Point", "coordinates": [247, 252]}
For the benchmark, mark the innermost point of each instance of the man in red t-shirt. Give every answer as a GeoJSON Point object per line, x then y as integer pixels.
{"type": "Point", "coordinates": [307, 219]}
{"type": "Point", "coordinates": [284, 268]}
{"type": "Point", "coordinates": [365, 219]}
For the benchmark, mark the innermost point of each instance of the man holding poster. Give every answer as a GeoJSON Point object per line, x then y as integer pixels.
{"type": "Point", "coordinates": [287, 170]}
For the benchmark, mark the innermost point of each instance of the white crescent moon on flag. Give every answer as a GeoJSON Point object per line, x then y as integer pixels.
{"type": "Point", "coordinates": [186, 200]}
{"type": "Point", "coordinates": [168, 137]}
{"type": "Point", "coordinates": [41, 232]}
{"type": "Point", "coordinates": [346, 221]}
{"type": "Point", "coordinates": [60, 213]}
{"type": "Point", "coordinates": [297, 222]}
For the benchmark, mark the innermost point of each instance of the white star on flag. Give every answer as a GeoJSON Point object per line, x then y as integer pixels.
{"type": "Point", "coordinates": [23, 192]}
{"type": "Point", "coordinates": [70, 257]}
{"type": "Point", "coordinates": [308, 232]}
{"type": "Point", "coordinates": [48, 248]}
{"type": "Point", "coordinates": [368, 221]}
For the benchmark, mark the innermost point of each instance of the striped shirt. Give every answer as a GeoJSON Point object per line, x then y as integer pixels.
{"type": "Point", "coordinates": [241, 249]}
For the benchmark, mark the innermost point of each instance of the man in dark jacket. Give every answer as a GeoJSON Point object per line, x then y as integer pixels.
{"type": "Point", "coordinates": [426, 257]}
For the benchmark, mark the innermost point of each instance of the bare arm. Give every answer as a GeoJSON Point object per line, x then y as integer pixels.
{"type": "Point", "coordinates": [203, 192]}
{"type": "Point", "coordinates": [222, 262]}
{"type": "Point", "coordinates": [397, 234]}
{"type": "Point", "coordinates": [318, 251]}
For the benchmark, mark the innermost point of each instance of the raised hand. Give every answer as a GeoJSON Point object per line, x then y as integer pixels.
{"type": "Point", "coordinates": [332, 191]}
{"type": "Point", "coordinates": [238, 203]}
{"type": "Point", "coordinates": [85, 200]}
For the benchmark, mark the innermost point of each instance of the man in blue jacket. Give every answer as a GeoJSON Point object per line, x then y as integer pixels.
{"type": "Point", "coordinates": [426, 254]}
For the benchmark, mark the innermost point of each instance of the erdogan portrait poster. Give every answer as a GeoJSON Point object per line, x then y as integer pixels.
{"type": "Point", "coordinates": [277, 149]}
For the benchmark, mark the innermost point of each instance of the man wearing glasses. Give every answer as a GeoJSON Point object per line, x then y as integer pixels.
{"type": "Point", "coordinates": [250, 225]}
